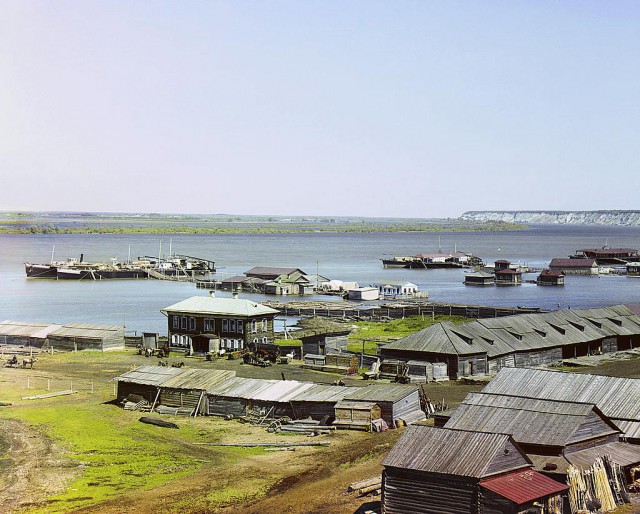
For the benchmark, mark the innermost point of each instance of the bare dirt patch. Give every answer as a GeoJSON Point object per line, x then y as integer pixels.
{"type": "Point", "coordinates": [33, 467]}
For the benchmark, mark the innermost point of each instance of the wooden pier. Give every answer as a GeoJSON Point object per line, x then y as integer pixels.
{"type": "Point", "coordinates": [391, 310]}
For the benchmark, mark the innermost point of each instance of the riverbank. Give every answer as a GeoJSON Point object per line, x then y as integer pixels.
{"type": "Point", "coordinates": [267, 228]}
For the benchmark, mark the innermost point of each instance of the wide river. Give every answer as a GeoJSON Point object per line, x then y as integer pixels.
{"type": "Point", "coordinates": [344, 256]}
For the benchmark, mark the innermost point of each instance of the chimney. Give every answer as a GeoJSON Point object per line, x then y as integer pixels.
{"type": "Point", "coordinates": [234, 296]}
{"type": "Point", "coordinates": [212, 294]}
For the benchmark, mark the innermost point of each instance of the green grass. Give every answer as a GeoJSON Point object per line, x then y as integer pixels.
{"type": "Point", "coordinates": [370, 333]}
{"type": "Point", "coordinates": [115, 452]}
{"type": "Point", "coordinates": [288, 342]}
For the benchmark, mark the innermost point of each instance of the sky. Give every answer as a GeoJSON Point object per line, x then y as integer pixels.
{"type": "Point", "coordinates": [346, 108]}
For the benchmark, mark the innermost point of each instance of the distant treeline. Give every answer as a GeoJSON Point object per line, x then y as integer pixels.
{"type": "Point", "coordinates": [244, 228]}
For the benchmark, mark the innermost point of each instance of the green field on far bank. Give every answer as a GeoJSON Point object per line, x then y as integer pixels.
{"type": "Point", "coordinates": [95, 223]}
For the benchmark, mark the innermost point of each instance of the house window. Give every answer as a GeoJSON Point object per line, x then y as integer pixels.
{"type": "Point", "coordinates": [255, 340]}
{"type": "Point", "coordinates": [183, 323]}
{"type": "Point", "coordinates": [264, 325]}
{"type": "Point", "coordinates": [225, 325]}
{"type": "Point", "coordinates": [209, 325]}
{"type": "Point", "coordinates": [240, 326]}
{"type": "Point", "coordinates": [192, 323]}
{"type": "Point", "coordinates": [241, 343]}
{"type": "Point", "coordinates": [176, 321]}
{"type": "Point", "coordinates": [232, 325]}
{"type": "Point", "coordinates": [264, 340]}
{"type": "Point", "coordinates": [254, 326]}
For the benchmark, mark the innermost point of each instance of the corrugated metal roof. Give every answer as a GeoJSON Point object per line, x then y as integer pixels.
{"type": "Point", "coordinates": [617, 398]}
{"type": "Point", "coordinates": [89, 330]}
{"type": "Point", "coordinates": [381, 393]}
{"type": "Point", "coordinates": [149, 375]}
{"type": "Point", "coordinates": [27, 329]}
{"type": "Point", "coordinates": [451, 452]}
{"type": "Point", "coordinates": [623, 454]}
{"type": "Point", "coordinates": [228, 306]}
{"type": "Point", "coordinates": [523, 486]}
{"type": "Point", "coordinates": [265, 270]}
{"type": "Point", "coordinates": [530, 421]}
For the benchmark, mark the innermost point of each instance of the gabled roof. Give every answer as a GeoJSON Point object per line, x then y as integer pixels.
{"type": "Point", "coordinates": [454, 452]}
{"type": "Point", "coordinates": [531, 421]}
{"type": "Point", "coordinates": [88, 330]}
{"type": "Point", "coordinates": [228, 306]}
{"type": "Point", "coordinates": [523, 332]}
{"type": "Point", "coordinates": [617, 398]}
{"type": "Point", "coordinates": [274, 272]}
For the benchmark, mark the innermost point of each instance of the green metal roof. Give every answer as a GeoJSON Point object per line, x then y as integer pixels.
{"type": "Point", "coordinates": [225, 306]}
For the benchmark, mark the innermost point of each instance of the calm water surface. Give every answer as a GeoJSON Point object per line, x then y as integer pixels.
{"type": "Point", "coordinates": [345, 256]}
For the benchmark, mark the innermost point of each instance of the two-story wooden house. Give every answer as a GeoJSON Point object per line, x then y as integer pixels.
{"type": "Point", "coordinates": [205, 323]}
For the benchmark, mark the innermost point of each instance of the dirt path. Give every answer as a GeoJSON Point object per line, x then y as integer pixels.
{"type": "Point", "coordinates": [33, 468]}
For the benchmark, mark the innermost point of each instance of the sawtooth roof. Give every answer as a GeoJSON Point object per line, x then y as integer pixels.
{"type": "Point", "coordinates": [523, 332]}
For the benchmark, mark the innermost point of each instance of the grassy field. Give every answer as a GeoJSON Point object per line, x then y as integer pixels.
{"type": "Point", "coordinates": [367, 334]}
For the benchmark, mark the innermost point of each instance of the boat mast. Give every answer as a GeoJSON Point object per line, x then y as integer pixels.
{"type": "Point", "coordinates": [53, 250]}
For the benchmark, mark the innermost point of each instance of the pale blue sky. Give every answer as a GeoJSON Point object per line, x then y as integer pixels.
{"type": "Point", "coordinates": [396, 108]}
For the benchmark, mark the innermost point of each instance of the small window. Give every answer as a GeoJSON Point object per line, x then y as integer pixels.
{"type": "Point", "coordinates": [176, 321]}
{"type": "Point", "coordinates": [183, 323]}
{"type": "Point", "coordinates": [264, 340]}
{"type": "Point", "coordinates": [264, 325]}
{"type": "Point", "coordinates": [225, 325]}
{"type": "Point", "coordinates": [254, 326]}
{"type": "Point", "coordinates": [192, 323]}
{"type": "Point", "coordinates": [240, 326]}
{"type": "Point", "coordinates": [232, 325]}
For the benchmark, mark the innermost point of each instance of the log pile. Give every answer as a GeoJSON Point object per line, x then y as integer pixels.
{"type": "Point", "coordinates": [601, 488]}
{"type": "Point", "coordinates": [300, 426]}
{"type": "Point", "coordinates": [365, 487]}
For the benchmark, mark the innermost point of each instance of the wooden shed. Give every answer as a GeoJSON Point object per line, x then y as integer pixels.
{"type": "Point", "coordinates": [188, 390]}
{"type": "Point", "coordinates": [435, 470]}
{"type": "Point", "coordinates": [356, 415]}
{"type": "Point", "coordinates": [313, 361]}
{"type": "Point", "coordinates": [400, 404]}
{"type": "Point", "coordinates": [542, 427]}
{"type": "Point", "coordinates": [87, 336]}
{"type": "Point", "coordinates": [318, 401]}
{"type": "Point", "coordinates": [144, 381]}
{"type": "Point", "coordinates": [341, 363]}
{"type": "Point", "coordinates": [418, 372]}
{"type": "Point", "coordinates": [617, 398]}
{"type": "Point", "coordinates": [21, 333]}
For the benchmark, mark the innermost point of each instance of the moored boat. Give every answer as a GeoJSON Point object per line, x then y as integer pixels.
{"type": "Point", "coordinates": [40, 270]}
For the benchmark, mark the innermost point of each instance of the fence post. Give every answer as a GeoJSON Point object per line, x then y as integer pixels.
{"type": "Point", "coordinates": [48, 384]}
